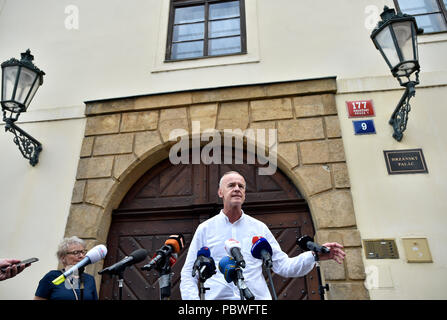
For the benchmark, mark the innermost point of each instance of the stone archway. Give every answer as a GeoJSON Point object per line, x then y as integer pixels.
{"type": "Point", "coordinates": [126, 137]}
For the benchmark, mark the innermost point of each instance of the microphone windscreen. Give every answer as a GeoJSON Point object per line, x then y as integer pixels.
{"type": "Point", "coordinates": [139, 255]}
{"type": "Point", "coordinates": [259, 245]}
{"type": "Point", "coordinates": [177, 242]}
{"type": "Point", "coordinates": [97, 253]}
{"type": "Point", "coordinates": [204, 251]}
{"type": "Point", "coordinates": [227, 267]}
{"type": "Point", "coordinates": [230, 244]}
{"type": "Point", "coordinates": [253, 241]}
{"type": "Point", "coordinates": [302, 242]}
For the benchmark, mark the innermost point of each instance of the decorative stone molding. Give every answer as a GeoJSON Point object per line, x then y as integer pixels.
{"type": "Point", "coordinates": [126, 137]}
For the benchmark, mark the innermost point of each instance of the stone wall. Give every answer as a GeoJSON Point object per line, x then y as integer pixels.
{"type": "Point", "coordinates": [126, 137]}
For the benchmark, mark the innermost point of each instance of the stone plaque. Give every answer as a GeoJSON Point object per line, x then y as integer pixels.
{"type": "Point", "coordinates": [405, 161]}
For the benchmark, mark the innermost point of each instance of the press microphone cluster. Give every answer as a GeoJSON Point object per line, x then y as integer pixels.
{"type": "Point", "coordinates": [231, 265]}
{"type": "Point", "coordinates": [174, 244]}
{"type": "Point", "coordinates": [93, 255]}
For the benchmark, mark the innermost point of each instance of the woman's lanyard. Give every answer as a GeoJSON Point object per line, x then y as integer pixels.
{"type": "Point", "coordinates": [81, 286]}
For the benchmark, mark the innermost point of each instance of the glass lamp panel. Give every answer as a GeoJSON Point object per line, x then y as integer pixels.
{"type": "Point", "coordinates": [189, 14]}
{"type": "Point", "coordinates": [187, 32]}
{"type": "Point", "coordinates": [386, 43]}
{"type": "Point", "coordinates": [224, 10]}
{"type": "Point", "coordinates": [33, 91]}
{"type": "Point", "coordinates": [224, 46]}
{"type": "Point", "coordinates": [403, 32]}
{"type": "Point", "coordinates": [184, 50]}
{"type": "Point", "coordinates": [26, 81]}
{"type": "Point", "coordinates": [8, 81]}
{"type": "Point", "coordinates": [224, 28]}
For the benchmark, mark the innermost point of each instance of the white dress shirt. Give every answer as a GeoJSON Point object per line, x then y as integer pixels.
{"type": "Point", "coordinates": [213, 233]}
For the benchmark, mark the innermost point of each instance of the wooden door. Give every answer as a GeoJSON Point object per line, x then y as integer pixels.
{"type": "Point", "coordinates": [172, 199]}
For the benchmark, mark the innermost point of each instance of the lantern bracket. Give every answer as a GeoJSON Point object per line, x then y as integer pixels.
{"type": "Point", "coordinates": [28, 146]}
{"type": "Point", "coordinates": [399, 118]}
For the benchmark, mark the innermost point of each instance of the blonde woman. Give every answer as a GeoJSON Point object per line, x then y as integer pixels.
{"type": "Point", "coordinates": [70, 252]}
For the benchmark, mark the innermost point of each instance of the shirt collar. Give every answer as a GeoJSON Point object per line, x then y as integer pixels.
{"type": "Point", "coordinates": [228, 220]}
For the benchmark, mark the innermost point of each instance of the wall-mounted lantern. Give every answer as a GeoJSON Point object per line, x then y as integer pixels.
{"type": "Point", "coordinates": [396, 39]}
{"type": "Point", "coordinates": [20, 81]}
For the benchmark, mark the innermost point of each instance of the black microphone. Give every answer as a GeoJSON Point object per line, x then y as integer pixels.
{"type": "Point", "coordinates": [174, 244]}
{"type": "Point", "coordinates": [306, 243]}
{"type": "Point", "coordinates": [233, 248]}
{"type": "Point", "coordinates": [135, 257]}
{"type": "Point", "coordinates": [204, 264]}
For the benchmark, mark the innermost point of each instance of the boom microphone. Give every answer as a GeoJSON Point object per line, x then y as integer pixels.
{"type": "Point", "coordinates": [261, 249]}
{"type": "Point", "coordinates": [233, 248]}
{"type": "Point", "coordinates": [93, 255]}
{"type": "Point", "coordinates": [135, 257]}
{"type": "Point", "coordinates": [306, 243]}
{"type": "Point", "coordinates": [174, 244]}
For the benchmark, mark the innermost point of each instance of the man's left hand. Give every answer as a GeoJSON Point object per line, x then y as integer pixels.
{"type": "Point", "coordinates": [336, 253]}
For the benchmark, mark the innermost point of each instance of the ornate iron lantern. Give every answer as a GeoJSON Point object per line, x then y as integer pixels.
{"type": "Point", "coordinates": [20, 81]}
{"type": "Point", "coordinates": [396, 39]}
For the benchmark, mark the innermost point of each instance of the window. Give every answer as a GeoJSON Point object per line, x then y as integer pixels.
{"type": "Point", "coordinates": [205, 28]}
{"type": "Point", "coordinates": [431, 15]}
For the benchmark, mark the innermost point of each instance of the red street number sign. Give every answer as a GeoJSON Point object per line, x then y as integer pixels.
{"type": "Point", "coordinates": [360, 108]}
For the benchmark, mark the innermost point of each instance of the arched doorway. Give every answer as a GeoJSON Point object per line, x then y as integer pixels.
{"type": "Point", "coordinates": [171, 199]}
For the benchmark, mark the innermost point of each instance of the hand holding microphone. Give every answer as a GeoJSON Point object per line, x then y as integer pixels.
{"type": "Point", "coordinates": [93, 255]}
{"type": "Point", "coordinates": [329, 250]}
{"type": "Point", "coordinates": [306, 243]}
{"type": "Point", "coordinates": [233, 249]}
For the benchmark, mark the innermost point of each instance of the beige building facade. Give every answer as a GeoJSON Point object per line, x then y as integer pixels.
{"type": "Point", "coordinates": [110, 101]}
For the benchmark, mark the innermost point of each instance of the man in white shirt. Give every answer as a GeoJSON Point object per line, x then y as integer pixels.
{"type": "Point", "coordinates": [233, 223]}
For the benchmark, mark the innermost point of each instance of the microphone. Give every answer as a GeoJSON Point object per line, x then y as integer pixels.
{"type": "Point", "coordinates": [174, 244]}
{"type": "Point", "coordinates": [306, 243]}
{"type": "Point", "coordinates": [204, 263]}
{"type": "Point", "coordinates": [261, 249]}
{"type": "Point", "coordinates": [233, 248]}
{"type": "Point", "coordinates": [232, 273]}
{"type": "Point", "coordinates": [93, 255]}
{"type": "Point", "coordinates": [134, 257]}
{"type": "Point", "coordinates": [227, 266]}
